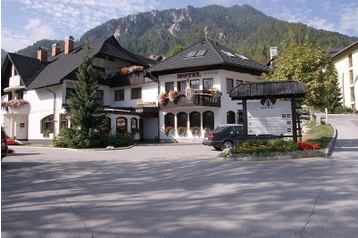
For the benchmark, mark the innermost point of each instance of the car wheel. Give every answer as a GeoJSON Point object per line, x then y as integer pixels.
{"type": "Point", "coordinates": [217, 148]}
{"type": "Point", "coordinates": [227, 144]}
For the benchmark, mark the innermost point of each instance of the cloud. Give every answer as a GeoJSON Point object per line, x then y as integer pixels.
{"type": "Point", "coordinates": [348, 20]}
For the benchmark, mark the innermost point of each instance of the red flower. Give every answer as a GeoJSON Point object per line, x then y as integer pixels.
{"type": "Point", "coordinates": [308, 146]}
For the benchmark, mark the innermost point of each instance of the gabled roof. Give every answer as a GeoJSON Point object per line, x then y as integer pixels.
{"type": "Point", "coordinates": [208, 54]}
{"type": "Point", "coordinates": [277, 89]}
{"type": "Point", "coordinates": [37, 74]}
{"type": "Point", "coordinates": [345, 49]}
{"type": "Point", "coordinates": [63, 66]}
{"type": "Point", "coordinates": [28, 68]}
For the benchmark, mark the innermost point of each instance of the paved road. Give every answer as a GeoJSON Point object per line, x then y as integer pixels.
{"type": "Point", "coordinates": [180, 191]}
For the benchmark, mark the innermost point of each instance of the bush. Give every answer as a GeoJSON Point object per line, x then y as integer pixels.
{"type": "Point", "coordinates": [343, 110]}
{"type": "Point", "coordinates": [73, 138]}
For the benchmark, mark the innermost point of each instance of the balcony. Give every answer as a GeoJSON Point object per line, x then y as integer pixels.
{"type": "Point", "coordinates": [200, 99]}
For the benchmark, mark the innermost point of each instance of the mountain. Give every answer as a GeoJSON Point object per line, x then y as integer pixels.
{"type": "Point", "coordinates": [241, 28]}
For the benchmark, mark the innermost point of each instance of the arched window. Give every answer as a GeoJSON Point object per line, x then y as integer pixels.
{"type": "Point", "coordinates": [169, 120]}
{"type": "Point", "coordinates": [134, 125]}
{"type": "Point", "coordinates": [182, 119]}
{"type": "Point", "coordinates": [47, 124]}
{"type": "Point", "coordinates": [194, 119]}
{"type": "Point", "coordinates": [64, 121]}
{"type": "Point", "coordinates": [208, 120]}
{"type": "Point", "coordinates": [108, 124]}
{"type": "Point", "coordinates": [230, 117]}
{"type": "Point", "coordinates": [121, 124]}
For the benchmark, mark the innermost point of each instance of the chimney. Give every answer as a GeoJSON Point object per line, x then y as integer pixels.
{"type": "Point", "coordinates": [42, 54]}
{"type": "Point", "coordinates": [69, 44]}
{"type": "Point", "coordinates": [56, 48]}
{"type": "Point", "coordinates": [273, 52]}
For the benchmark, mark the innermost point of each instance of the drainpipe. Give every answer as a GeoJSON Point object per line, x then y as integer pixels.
{"type": "Point", "coordinates": [150, 73]}
{"type": "Point", "coordinates": [54, 110]}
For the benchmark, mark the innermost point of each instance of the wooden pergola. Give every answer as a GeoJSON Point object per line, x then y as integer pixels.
{"type": "Point", "coordinates": [290, 89]}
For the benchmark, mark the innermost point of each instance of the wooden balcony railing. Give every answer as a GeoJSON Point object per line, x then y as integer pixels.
{"type": "Point", "coordinates": [198, 99]}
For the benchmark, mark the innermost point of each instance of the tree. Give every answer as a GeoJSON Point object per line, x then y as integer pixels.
{"type": "Point", "coordinates": [311, 66]}
{"type": "Point", "coordinates": [86, 107]}
{"type": "Point", "coordinates": [176, 49]}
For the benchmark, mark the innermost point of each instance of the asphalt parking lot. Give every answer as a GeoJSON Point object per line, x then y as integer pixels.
{"type": "Point", "coordinates": [179, 191]}
{"type": "Point", "coordinates": [170, 191]}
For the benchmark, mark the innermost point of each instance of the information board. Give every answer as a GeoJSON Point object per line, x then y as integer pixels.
{"type": "Point", "coordinates": [266, 116]}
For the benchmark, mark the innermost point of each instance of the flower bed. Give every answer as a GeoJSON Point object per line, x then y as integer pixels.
{"type": "Point", "coordinates": [13, 142]}
{"type": "Point", "coordinates": [271, 148]}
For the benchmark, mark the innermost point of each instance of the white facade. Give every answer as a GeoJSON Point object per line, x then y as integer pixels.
{"type": "Point", "coordinates": [346, 62]}
{"type": "Point", "coordinates": [220, 78]}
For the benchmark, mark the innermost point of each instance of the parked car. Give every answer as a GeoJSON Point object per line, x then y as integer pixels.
{"type": "Point", "coordinates": [228, 135]}
{"type": "Point", "coordinates": [4, 147]}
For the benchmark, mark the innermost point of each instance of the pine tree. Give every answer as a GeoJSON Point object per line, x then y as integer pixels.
{"type": "Point", "coordinates": [86, 107]}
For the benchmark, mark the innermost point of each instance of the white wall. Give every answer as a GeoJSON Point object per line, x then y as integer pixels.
{"type": "Point", "coordinates": [219, 81]}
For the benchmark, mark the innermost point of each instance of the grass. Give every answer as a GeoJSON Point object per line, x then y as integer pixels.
{"type": "Point", "coordinates": [321, 134]}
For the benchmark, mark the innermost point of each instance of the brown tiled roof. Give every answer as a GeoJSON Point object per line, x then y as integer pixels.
{"type": "Point", "coordinates": [277, 89]}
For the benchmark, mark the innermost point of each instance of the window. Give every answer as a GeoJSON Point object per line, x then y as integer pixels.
{"type": "Point", "coordinates": [191, 54]}
{"type": "Point", "coordinates": [240, 117]}
{"type": "Point", "coordinates": [208, 120]}
{"type": "Point", "coordinates": [119, 95]}
{"type": "Point", "coordinates": [169, 86]}
{"type": "Point", "coordinates": [200, 53]}
{"type": "Point", "coordinates": [350, 60]}
{"type": "Point", "coordinates": [136, 93]}
{"type": "Point", "coordinates": [238, 82]}
{"type": "Point", "coordinates": [181, 85]}
{"type": "Point", "coordinates": [207, 84]}
{"type": "Point", "coordinates": [352, 94]}
{"type": "Point", "coordinates": [169, 119]}
{"type": "Point", "coordinates": [64, 121]}
{"type": "Point", "coordinates": [194, 83]}
{"type": "Point", "coordinates": [20, 95]}
{"type": "Point", "coordinates": [134, 125]}
{"type": "Point", "coordinates": [182, 119]}
{"type": "Point", "coordinates": [351, 76]}
{"type": "Point", "coordinates": [99, 95]}
{"type": "Point", "coordinates": [47, 124]}
{"type": "Point", "coordinates": [229, 84]}
{"type": "Point", "coordinates": [121, 125]}
{"type": "Point", "coordinates": [70, 92]}
{"type": "Point", "coordinates": [107, 125]}
{"type": "Point", "coordinates": [194, 119]}
{"type": "Point", "coordinates": [230, 117]}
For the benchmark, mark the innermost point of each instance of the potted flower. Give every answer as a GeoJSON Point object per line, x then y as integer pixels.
{"type": "Point", "coordinates": [214, 92]}
{"type": "Point", "coordinates": [207, 129]}
{"type": "Point", "coordinates": [46, 133]}
{"type": "Point", "coordinates": [181, 130]}
{"type": "Point", "coordinates": [169, 130]}
{"type": "Point", "coordinates": [14, 103]}
{"type": "Point", "coordinates": [173, 94]}
{"type": "Point", "coordinates": [189, 93]}
{"type": "Point", "coordinates": [195, 130]}
{"type": "Point", "coordinates": [161, 97]}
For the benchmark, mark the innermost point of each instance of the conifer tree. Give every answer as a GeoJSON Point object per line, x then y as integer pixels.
{"type": "Point", "coordinates": [86, 107]}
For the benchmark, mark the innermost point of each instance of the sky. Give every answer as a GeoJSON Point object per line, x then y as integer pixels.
{"type": "Point", "coordinates": [23, 22]}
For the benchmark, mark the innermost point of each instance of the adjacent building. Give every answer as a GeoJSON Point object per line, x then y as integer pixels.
{"type": "Point", "coordinates": [346, 62]}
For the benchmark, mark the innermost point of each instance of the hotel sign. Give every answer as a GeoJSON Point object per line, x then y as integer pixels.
{"type": "Point", "coordinates": [188, 75]}
{"type": "Point", "coordinates": [269, 117]}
